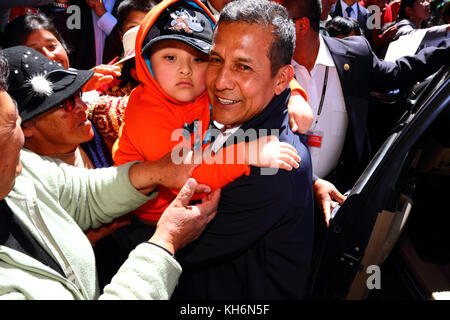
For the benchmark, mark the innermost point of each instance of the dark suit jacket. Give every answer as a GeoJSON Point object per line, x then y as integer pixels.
{"type": "Point", "coordinates": [259, 245]}
{"type": "Point", "coordinates": [365, 73]}
{"type": "Point", "coordinates": [363, 15]}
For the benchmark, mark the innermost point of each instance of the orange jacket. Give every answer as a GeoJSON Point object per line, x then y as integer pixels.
{"type": "Point", "coordinates": [151, 117]}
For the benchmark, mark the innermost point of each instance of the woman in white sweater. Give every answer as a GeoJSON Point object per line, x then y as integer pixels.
{"type": "Point", "coordinates": [45, 205]}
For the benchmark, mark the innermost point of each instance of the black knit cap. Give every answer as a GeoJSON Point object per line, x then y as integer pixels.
{"type": "Point", "coordinates": [38, 84]}
{"type": "Point", "coordinates": [184, 22]}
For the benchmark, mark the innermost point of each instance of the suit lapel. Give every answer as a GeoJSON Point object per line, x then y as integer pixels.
{"type": "Point", "coordinates": [337, 10]}
{"type": "Point", "coordinates": [346, 66]}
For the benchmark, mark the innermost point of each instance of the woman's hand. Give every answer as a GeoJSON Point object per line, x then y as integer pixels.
{"type": "Point", "coordinates": [103, 74]}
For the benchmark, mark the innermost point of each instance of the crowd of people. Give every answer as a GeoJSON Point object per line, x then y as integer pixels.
{"type": "Point", "coordinates": [224, 131]}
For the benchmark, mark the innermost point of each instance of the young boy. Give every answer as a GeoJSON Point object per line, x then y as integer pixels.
{"type": "Point", "coordinates": [171, 59]}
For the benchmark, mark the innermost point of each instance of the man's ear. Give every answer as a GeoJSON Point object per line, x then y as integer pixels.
{"type": "Point", "coordinates": [302, 26]}
{"type": "Point", "coordinates": [284, 77]}
{"type": "Point", "coordinates": [408, 11]}
{"type": "Point", "coordinates": [27, 129]}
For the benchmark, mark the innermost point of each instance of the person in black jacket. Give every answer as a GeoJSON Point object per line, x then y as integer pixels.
{"type": "Point", "coordinates": [259, 246]}
{"type": "Point", "coordinates": [354, 71]}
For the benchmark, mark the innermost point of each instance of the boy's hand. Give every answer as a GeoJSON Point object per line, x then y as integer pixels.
{"type": "Point", "coordinates": [269, 152]}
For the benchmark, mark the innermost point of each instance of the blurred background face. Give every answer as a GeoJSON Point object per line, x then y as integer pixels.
{"type": "Point", "coordinates": [11, 141]}
{"type": "Point", "coordinates": [46, 43]}
{"type": "Point", "coordinates": [134, 19]}
{"type": "Point", "coordinates": [58, 130]}
{"type": "Point", "coordinates": [326, 8]}
{"type": "Point", "coordinates": [420, 10]}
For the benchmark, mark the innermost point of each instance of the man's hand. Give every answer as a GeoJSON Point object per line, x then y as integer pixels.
{"type": "Point", "coordinates": [300, 113]}
{"type": "Point", "coordinates": [389, 33]}
{"type": "Point", "coordinates": [326, 193]}
{"type": "Point", "coordinates": [181, 223]}
{"type": "Point", "coordinates": [98, 6]}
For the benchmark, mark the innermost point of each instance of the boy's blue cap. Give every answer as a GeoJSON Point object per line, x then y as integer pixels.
{"type": "Point", "coordinates": [184, 22]}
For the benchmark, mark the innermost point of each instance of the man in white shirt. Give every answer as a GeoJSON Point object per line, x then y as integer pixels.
{"type": "Point", "coordinates": [337, 137]}
{"type": "Point", "coordinates": [104, 22]}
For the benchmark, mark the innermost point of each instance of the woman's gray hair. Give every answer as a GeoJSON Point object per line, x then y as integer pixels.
{"type": "Point", "coordinates": [4, 72]}
{"type": "Point", "coordinates": [267, 14]}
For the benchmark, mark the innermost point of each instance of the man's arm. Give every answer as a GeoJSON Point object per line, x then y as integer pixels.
{"type": "Point", "coordinates": [405, 71]}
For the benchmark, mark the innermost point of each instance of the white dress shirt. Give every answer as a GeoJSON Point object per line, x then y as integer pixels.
{"type": "Point", "coordinates": [102, 27]}
{"type": "Point", "coordinates": [222, 136]}
{"type": "Point", "coordinates": [333, 120]}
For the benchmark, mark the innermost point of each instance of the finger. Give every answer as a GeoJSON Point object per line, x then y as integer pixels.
{"type": "Point", "coordinates": [291, 152]}
{"type": "Point", "coordinates": [289, 160]}
{"type": "Point", "coordinates": [202, 188]}
{"type": "Point", "coordinates": [286, 145]}
{"type": "Point", "coordinates": [326, 211]}
{"type": "Point", "coordinates": [209, 204]}
{"type": "Point", "coordinates": [293, 125]}
{"type": "Point", "coordinates": [282, 165]}
{"type": "Point", "coordinates": [184, 196]}
{"type": "Point", "coordinates": [107, 70]}
{"type": "Point", "coordinates": [339, 197]}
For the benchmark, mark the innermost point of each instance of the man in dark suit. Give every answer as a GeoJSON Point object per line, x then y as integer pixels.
{"type": "Point", "coordinates": [354, 71]}
{"type": "Point", "coordinates": [352, 9]}
{"type": "Point", "coordinates": [259, 246]}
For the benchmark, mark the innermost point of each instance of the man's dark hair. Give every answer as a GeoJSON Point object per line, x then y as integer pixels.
{"type": "Point", "coordinates": [311, 9]}
{"type": "Point", "coordinates": [125, 7]}
{"type": "Point", "coordinates": [17, 30]}
{"type": "Point", "coordinates": [343, 26]}
{"type": "Point", "coordinates": [268, 14]}
{"type": "Point", "coordinates": [403, 5]}
{"type": "Point", "coordinates": [4, 73]}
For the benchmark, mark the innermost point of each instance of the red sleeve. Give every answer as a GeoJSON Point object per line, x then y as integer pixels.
{"type": "Point", "coordinates": [148, 132]}
{"type": "Point", "coordinates": [227, 165]}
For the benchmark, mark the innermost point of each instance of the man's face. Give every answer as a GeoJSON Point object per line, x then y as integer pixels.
{"type": "Point", "coordinates": [238, 77]}
{"type": "Point", "coordinates": [326, 8]}
{"type": "Point", "coordinates": [11, 141]}
{"type": "Point", "coordinates": [420, 10]}
{"type": "Point", "coordinates": [61, 129]}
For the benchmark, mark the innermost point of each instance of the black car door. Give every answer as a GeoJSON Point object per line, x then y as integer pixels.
{"type": "Point", "coordinates": [367, 225]}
